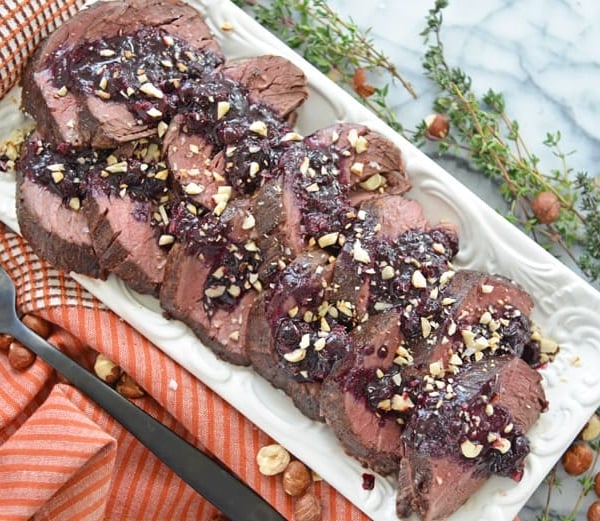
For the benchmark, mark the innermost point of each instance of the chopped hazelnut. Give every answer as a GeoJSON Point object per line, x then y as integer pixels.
{"type": "Point", "coordinates": [19, 357]}
{"type": "Point", "coordinates": [470, 450]}
{"type": "Point", "coordinates": [296, 478]}
{"type": "Point", "coordinates": [272, 459]}
{"type": "Point", "coordinates": [295, 356]}
{"type": "Point", "coordinates": [308, 508]}
{"type": "Point", "coordinates": [106, 369]}
{"type": "Point", "coordinates": [151, 90]}
{"type": "Point", "coordinates": [438, 126]}
{"type": "Point", "coordinates": [372, 183]}
{"type": "Point", "coordinates": [222, 109]}
{"type": "Point", "coordinates": [577, 459]}
{"type": "Point", "coordinates": [260, 128]}
{"type": "Point", "coordinates": [418, 280]}
{"type": "Point", "coordinates": [128, 387]}
{"type": "Point", "coordinates": [75, 203]}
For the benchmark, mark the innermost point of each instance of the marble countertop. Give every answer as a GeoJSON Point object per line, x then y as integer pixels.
{"type": "Point", "coordinates": [543, 55]}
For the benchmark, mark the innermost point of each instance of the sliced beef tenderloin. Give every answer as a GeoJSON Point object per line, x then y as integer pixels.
{"type": "Point", "coordinates": [305, 203]}
{"type": "Point", "coordinates": [278, 218]}
{"type": "Point", "coordinates": [393, 215]}
{"type": "Point", "coordinates": [293, 337]}
{"type": "Point", "coordinates": [390, 245]}
{"type": "Point", "coordinates": [125, 209]}
{"type": "Point", "coordinates": [478, 315]}
{"type": "Point", "coordinates": [472, 429]}
{"type": "Point", "coordinates": [205, 148]}
{"type": "Point", "coordinates": [182, 296]}
{"type": "Point", "coordinates": [347, 400]}
{"type": "Point", "coordinates": [211, 278]}
{"type": "Point", "coordinates": [49, 200]}
{"type": "Point", "coordinates": [125, 241]}
{"type": "Point", "coordinates": [272, 80]}
{"type": "Point", "coordinates": [369, 161]}
{"type": "Point", "coordinates": [55, 232]}
{"type": "Point", "coordinates": [83, 97]}
{"type": "Point", "coordinates": [195, 168]}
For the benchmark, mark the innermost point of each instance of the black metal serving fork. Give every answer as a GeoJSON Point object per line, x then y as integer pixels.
{"type": "Point", "coordinates": [205, 475]}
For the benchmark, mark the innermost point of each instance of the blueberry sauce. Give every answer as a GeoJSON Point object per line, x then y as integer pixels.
{"type": "Point", "coordinates": [143, 69]}
{"type": "Point", "coordinates": [499, 330]}
{"type": "Point", "coordinates": [64, 173]}
{"type": "Point", "coordinates": [320, 353]}
{"type": "Point", "coordinates": [368, 481]}
{"type": "Point", "coordinates": [157, 76]}
{"type": "Point", "coordinates": [251, 135]}
{"type": "Point", "coordinates": [235, 265]}
{"type": "Point", "coordinates": [322, 198]}
{"type": "Point", "coordinates": [308, 339]}
{"type": "Point", "coordinates": [463, 417]}
{"type": "Point", "coordinates": [200, 233]}
{"type": "Point", "coordinates": [408, 269]}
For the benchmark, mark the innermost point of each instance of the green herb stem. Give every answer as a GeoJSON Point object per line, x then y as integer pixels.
{"type": "Point", "coordinates": [482, 130]}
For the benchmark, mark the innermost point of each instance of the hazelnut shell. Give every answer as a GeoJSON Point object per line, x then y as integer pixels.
{"type": "Point", "coordinates": [577, 459]}
{"type": "Point", "coordinates": [19, 357]}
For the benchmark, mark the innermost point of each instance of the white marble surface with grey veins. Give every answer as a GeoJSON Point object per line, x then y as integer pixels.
{"type": "Point", "coordinates": [543, 55]}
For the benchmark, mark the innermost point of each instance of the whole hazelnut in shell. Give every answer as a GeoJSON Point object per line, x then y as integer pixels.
{"type": "Point", "coordinates": [577, 459]}
{"type": "Point", "coordinates": [308, 508]}
{"type": "Point", "coordinates": [296, 478]}
{"type": "Point", "coordinates": [593, 513]}
{"type": "Point", "coordinates": [546, 207]}
{"type": "Point", "coordinates": [19, 357]}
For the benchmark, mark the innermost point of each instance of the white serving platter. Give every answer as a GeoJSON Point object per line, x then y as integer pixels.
{"type": "Point", "coordinates": [566, 307]}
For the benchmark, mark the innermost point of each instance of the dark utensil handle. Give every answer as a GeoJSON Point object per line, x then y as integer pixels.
{"type": "Point", "coordinates": [208, 477]}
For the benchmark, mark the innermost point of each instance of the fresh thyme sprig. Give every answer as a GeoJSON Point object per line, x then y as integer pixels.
{"type": "Point", "coordinates": [337, 47]}
{"type": "Point", "coordinates": [482, 130]}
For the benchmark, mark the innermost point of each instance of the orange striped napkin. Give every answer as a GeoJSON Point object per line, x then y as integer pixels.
{"type": "Point", "coordinates": [62, 458]}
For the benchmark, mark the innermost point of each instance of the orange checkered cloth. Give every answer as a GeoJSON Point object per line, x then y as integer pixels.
{"type": "Point", "coordinates": [61, 457]}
